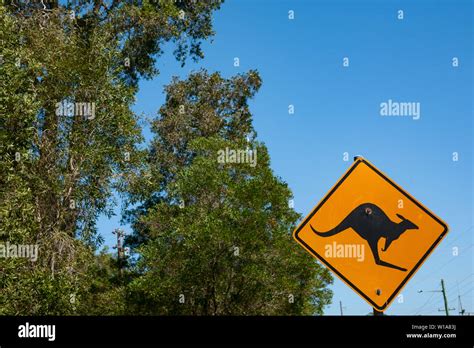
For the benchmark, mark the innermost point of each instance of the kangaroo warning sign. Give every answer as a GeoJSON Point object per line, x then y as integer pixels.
{"type": "Point", "coordinates": [371, 233]}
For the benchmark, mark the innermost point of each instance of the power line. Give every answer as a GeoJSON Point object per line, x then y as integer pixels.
{"type": "Point", "coordinates": [460, 282]}
{"type": "Point", "coordinates": [468, 291]}
{"type": "Point", "coordinates": [455, 239]}
{"type": "Point", "coordinates": [436, 303]}
{"type": "Point", "coordinates": [443, 291]}
{"type": "Point", "coordinates": [423, 306]}
{"type": "Point", "coordinates": [464, 286]}
{"type": "Point", "coordinates": [454, 257]}
{"type": "Point", "coordinates": [461, 310]}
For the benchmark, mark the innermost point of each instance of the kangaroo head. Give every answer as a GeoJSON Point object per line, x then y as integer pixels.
{"type": "Point", "coordinates": [402, 226]}
{"type": "Point", "coordinates": [406, 224]}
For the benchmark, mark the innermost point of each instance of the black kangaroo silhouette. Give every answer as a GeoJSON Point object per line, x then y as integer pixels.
{"type": "Point", "coordinates": [371, 223]}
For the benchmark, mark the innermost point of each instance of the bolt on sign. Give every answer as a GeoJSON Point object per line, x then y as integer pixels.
{"type": "Point", "coordinates": [371, 233]}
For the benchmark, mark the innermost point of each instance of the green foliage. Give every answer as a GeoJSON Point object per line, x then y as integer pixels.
{"type": "Point", "coordinates": [228, 250]}
{"type": "Point", "coordinates": [57, 171]}
{"type": "Point", "coordinates": [216, 239]}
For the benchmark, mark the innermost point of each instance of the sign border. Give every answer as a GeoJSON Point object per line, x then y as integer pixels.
{"type": "Point", "coordinates": [358, 161]}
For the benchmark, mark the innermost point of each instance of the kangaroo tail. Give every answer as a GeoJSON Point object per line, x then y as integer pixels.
{"type": "Point", "coordinates": [339, 228]}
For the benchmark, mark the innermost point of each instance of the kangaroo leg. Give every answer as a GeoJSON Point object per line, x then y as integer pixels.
{"type": "Point", "coordinates": [386, 264]}
{"type": "Point", "coordinates": [375, 252]}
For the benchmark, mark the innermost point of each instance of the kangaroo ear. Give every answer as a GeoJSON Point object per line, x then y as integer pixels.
{"type": "Point", "coordinates": [401, 217]}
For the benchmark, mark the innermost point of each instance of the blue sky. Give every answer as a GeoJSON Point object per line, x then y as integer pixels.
{"type": "Point", "coordinates": [337, 111]}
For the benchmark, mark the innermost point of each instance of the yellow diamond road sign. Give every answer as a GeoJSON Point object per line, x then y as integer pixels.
{"type": "Point", "coordinates": [371, 233]}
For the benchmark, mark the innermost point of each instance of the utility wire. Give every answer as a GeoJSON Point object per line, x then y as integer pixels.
{"type": "Point", "coordinates": [424, 305]}
{"type": "Point", "coordinates": [460, 282]}
{"type": "Point", "coordinates": [438, 302]}
{"type": "Point", "coordinates": [468, 291]}
{"type": "Point", "coordinates": [455, 239]}
{"type": "Point", "coordinates": [454, 257]}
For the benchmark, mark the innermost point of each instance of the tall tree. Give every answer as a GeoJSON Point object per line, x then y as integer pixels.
{"type": "Point", "coordinates": [214, 231]}
{"type": "Point", "coordinates": [69, 77]}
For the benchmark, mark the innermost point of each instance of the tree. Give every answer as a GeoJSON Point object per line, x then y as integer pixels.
{"type": "Point", "coordinates": [68, 135]}
{"type": "Point", "coordinates": [53, 165]}
{"type": "Point", "coordinates": [215, 235]}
